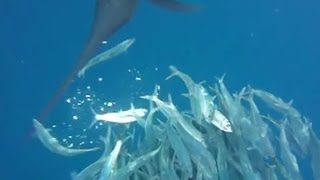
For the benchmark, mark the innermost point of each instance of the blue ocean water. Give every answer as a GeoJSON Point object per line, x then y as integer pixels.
{"type": "Point", "coordinates": [271, 45]}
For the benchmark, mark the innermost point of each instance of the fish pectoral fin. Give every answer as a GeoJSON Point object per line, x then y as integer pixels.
{"type": "Point", "coordinates": [176, 5]}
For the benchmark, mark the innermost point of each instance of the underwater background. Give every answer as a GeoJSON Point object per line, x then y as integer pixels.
{"type": "Point", "coordinates": [271, 45]}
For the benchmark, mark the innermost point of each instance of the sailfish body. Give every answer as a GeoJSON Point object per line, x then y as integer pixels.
{"type": "Point", "coordinates": [110, 16]}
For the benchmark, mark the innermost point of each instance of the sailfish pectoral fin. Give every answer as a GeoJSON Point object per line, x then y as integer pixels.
{"type": "Point", "coordinates": [175, 5]}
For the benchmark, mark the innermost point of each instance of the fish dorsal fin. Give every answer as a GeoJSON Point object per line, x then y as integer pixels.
{"type": "Point", "coordinates": [290, 102]}
{"type": "Point", "coordinates": [155, 91]}
{"type": "Point", "coordinates": [132, 106]}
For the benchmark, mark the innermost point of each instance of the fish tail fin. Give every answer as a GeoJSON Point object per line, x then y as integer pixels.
{"type": "Point", "coordinates": [221, 79]}
{"type": "Point", "coordinates": [174, 72]}
{"type": "Point", "coordinates": [94, 120]}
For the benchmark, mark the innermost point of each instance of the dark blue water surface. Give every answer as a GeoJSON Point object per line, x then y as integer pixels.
{"type": "Point", "coordinates": [272, 45]}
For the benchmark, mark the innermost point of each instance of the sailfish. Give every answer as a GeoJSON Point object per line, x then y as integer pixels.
{"type": "Point", "coordinates": [110, 16]}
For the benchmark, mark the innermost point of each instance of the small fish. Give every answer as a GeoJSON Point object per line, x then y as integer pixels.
{"type": "Point", "coordinates": [110, 164]}
{"type": "Point", "coordinates": [94, 169]}
{"type": "Point", "coordinates": [180, 149]}
{"type": "Point", "coordinates": [121, 117]}
{"type": "Point", "coordinates": [125, 171]}
{"type": "Point", "coordinates": [53, 144]}
{"type": "Point", "coordinates": [288, 158]}
{"type": "Point", "coordinates": [169, 110]}
{"type": "Point", "coordinates": [106, 55]}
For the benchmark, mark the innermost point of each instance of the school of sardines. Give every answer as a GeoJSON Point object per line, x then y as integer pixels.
{"type": "Point", "coordinates": [221, 136]}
